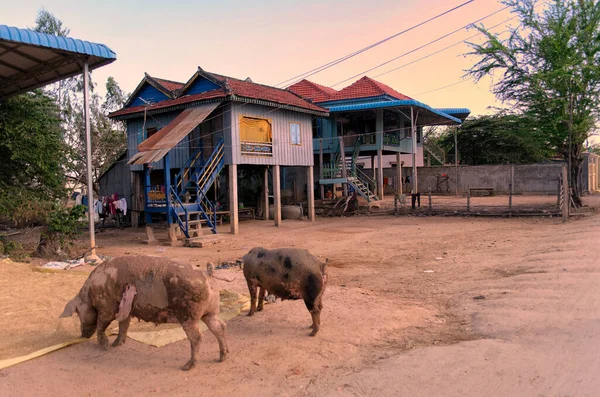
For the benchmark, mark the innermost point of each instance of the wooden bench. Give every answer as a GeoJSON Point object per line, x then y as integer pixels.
{"type": "Point", "coordinates": [488, 190]}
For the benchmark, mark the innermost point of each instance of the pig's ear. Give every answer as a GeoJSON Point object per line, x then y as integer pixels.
{"type": "Point", "coordinates": [70, 307]}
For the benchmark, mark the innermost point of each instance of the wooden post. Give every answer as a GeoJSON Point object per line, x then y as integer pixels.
{"type": "Point", "coordinates": [558, 192]}
{"type": "Point", "coordinates": [413, 123]}
{"type": "Point", "coordinates": [322, 187]}
{"type": "Point", "coordinates": [380, 174]}
{"type": "Point", "coordinates": [266, 194]}
{"type": "Point", "coordinates": [398, 175]}
{"type": "Point", "coordinates": [566, 195]}
{"type": "Point", "coordinates": [167, 174]}
{"type": "Point", "coordinates": [468, 199]}
{"type": "Point", "coordinates": [373, 168]}
{"type": "Point", "coordinates": [311, 193]}
{"type": "Point", "coordinates": [344, 171]}
{"type": "Point", "coordinates": [277, 195]}
{"type": "Point", "coordinates": [233, 199]}
{"type": "Point", "coordinates": [429, 194]}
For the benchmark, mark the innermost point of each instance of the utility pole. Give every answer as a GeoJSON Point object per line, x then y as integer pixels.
{"type": "Point", "coordinates": [456, 158]}
{"type": "Point", "coordinates": [570, 146]}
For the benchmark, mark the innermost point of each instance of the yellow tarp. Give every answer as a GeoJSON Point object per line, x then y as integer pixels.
{"type": "Point", "coordinates": [255, 130]}
{"type": "Point", "coordinates": [232, 304]}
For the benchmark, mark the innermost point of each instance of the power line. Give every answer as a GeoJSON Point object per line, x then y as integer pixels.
{"type": "Point", "coordinates": [422, 46]}
{"type": "Point", "coordinates": [346, 57]}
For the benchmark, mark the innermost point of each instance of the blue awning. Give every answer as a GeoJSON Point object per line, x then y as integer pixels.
{"type": "Point", "coordinates": [30, 60]}
{"type": "Point", "coordinates": [461, 113]}
{"type": "Point", "coordinates": [394, 104]}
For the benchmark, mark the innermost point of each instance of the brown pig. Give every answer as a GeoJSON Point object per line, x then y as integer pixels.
{"type": "Point", "coordinates": [287, 273]}
{"type": "Point", "coordinates": [152, 289]}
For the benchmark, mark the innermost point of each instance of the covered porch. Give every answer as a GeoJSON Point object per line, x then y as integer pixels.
{"type": "Point", "coordinates": [375, 129]}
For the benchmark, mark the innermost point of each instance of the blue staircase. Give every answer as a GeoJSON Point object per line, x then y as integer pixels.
{"type": "Point", "coordinates": [193, 181]}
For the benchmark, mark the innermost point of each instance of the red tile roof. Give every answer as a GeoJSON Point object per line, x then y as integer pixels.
{"type": "Point", "coordinates": [248, 89]}
{"type": "Point", "coordinates": [169, 84]}
{"type": "Point", "coordinates": [367, 87]}
{"type": "Point", "coordinates": [231, 86]}
{"type": "Point", "coordinates": [214, 94]}
{"type": "Point", "coordinates": [313, 91]}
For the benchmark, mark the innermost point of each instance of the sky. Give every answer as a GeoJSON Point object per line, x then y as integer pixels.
{"type": "Point", "coordinates": [272, 41]}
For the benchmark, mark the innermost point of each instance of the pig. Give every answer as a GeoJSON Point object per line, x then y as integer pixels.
{"type": "Point", "coordinates": [287, 273]}
{"type": "Point", "coordinates": [152, 289]}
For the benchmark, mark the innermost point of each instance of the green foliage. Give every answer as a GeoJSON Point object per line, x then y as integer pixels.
{"type": "Point", "coordinates": [549, 71]}
{"type": "Point", "coordinates": [498, 139]}
{"type": "Point", "coordinates": [33, 154]}
{"type": "Point", "coordinates": [63, 223]}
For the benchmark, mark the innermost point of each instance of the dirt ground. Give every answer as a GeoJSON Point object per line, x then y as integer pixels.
{"type": "Point", "coordinates": [415, 306]}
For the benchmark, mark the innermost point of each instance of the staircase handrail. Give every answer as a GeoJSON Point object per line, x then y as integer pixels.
{"type": "Point", "coordinates": [185, 170]}
{"type": "Point", "coordinates": [176, 202]}
{"type": "Point", "coordinates": [210, 165]}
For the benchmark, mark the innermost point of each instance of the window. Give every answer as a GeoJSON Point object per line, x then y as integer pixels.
{"type": "Point", "coordinates": [256, 136]}
{"type": "Point", "coordinates": [295, 133]}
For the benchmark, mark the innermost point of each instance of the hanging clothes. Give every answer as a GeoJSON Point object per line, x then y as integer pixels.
{"type": "Point", "coordinates": [84, 201]}
{"type": "Point", "coordinates": [123, 205]}
{"type": "Point", "coordinates": [78, 199]}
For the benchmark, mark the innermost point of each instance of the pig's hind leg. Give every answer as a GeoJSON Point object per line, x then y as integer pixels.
{"type": "Point", "coordinates": [193, 333]}
{"type": "Point", "coordinates": [217, 327]}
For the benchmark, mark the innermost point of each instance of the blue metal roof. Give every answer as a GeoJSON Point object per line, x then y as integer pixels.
{"type": "Point", "coordinates": [454, 110]}
{"type": "Point", "coordinates": [392, 104]}
{"type": "Point", "coordinates": [69, 44]}
{"type": "Point", "coordinates": [29, 60]}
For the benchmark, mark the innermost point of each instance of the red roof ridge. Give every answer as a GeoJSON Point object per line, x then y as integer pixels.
{"type": "Point", "coordinates": [366, 87]}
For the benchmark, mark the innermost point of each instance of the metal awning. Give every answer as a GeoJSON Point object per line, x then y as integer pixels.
{"type": "Point", "coordinates": [159, 144]}
{"type": "Point", "coordinates": [427, 114]}
{"type": "Point", "coordinates": [30, 60]}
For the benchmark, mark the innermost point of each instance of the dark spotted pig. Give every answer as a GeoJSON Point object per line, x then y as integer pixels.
{"type": "Point", "coordinates": [152, 289]}
{"type": "Point", "coordinates": [287, 273]}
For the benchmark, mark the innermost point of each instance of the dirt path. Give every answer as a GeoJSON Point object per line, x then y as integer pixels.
{"type": "Point", "coordinates": [400, 297]}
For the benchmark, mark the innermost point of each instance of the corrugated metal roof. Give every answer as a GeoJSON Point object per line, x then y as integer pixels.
{"type": "Point", "coordinates": [155, 147]}
{"type": "Point", "coordinates": [30, 60]}
{"type": "Point", "coordinates": [392, 104]}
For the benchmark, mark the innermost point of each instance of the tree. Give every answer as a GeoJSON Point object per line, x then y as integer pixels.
{"type": "Point", "coordinates": [108, 138]}
{"type": "Point", "coordinates": [497, 139]}
{"type": "Point", "coordinates": [549, 72]}
{"type": "Point", "coordinates": [33, 155]}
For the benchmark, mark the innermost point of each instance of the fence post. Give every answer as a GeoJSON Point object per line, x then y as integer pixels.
{"type": "Point", "coordinates": [510, 194]}
{"type": "Point", "coordinates": [468, 198]}
{"type": "Point", "coordinates": [558, 191]}
{"type": "Point", "coordinates": [429, 194]}
{"type": "Point", "coordinates": [566, 194]}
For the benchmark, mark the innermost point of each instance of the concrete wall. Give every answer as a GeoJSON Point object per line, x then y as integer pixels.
{"type": "Point", "coordinates": [528, 178]}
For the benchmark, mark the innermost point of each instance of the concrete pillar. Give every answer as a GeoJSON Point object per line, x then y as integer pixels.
{"type": "Point", "coordinates": [233, 199]}
{"type": "Point", "coordinates": [380, 174]}
{"type": "Point", "coordinates": [311, 193]}
{"type": "Point", "coordinates": [343, 159]}
{"type": "Point", "coordinates": [398, 175]}
{"type": "Point", "coordinates": [266, 194]}
{"type": "Point", "coordinates": [373, 168]}
{"type": "Point", "coordinates": [413, 125]}
{"type": "Point", "coordinates": [277, 195]}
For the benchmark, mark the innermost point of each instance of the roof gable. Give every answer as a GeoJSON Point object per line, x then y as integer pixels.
{"type": "Point", "coordinates": [153, 90]}
{"type": "Point", "coordinates": [313, 91]}
{"type": "Point", "coordinates": [146, 94]}
{"type": "Point", "coordinates": [367, 87]}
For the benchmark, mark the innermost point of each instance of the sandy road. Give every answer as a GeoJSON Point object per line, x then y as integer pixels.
{"type": "Point", "coordinates": [400, 318]}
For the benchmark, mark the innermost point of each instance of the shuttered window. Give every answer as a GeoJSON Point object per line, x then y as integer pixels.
{"type": "Point", "coordinates": [295, 133]}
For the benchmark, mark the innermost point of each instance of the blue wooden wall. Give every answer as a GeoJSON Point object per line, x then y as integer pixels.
{"type": "Point", "coordinates": [149, 94]}
{"type": "Point", "coordinates": [199, 86]}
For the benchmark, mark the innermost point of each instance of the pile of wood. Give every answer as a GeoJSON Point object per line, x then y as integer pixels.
{"type": "Point", "coordinates": [342, 206]}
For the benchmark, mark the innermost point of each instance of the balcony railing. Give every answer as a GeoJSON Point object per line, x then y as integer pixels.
{"type": "Point", "coordinates": [155, 195]}
{"type": "Point", "coordinates": [257, 149]}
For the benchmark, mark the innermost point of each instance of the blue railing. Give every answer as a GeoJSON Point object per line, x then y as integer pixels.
{"type": "Point", "coordinates": [176, 204]}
